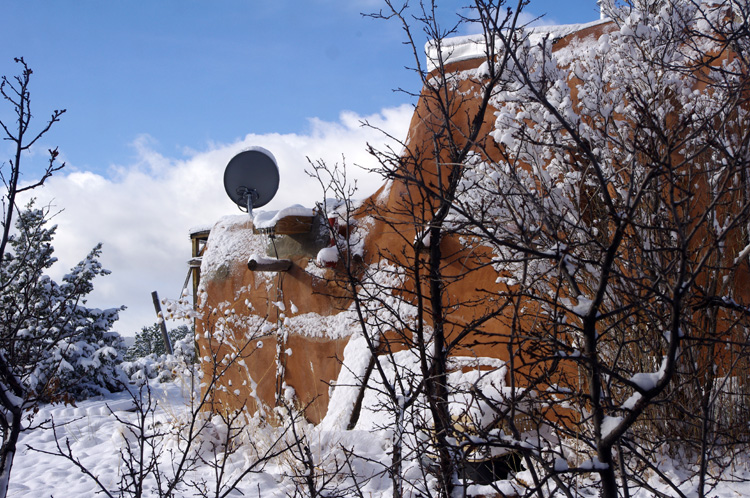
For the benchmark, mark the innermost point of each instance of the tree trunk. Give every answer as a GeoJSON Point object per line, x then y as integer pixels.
{"type": "Point", "coordinates": [609, 479]}
{"type": "Point", "coordinates": [8, 449]}
{"type": "Point", "coordinates": [437, 382]}
{"type": "Point", "coordinates": [398, 441]}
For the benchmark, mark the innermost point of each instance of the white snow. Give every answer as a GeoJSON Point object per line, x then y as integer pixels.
{"type": "Point", "coordinates": [583, 307]}
{"type": "Point", "coordinates": [425, 236]}
{"type": "Point", "coordinates": [631, 401]}
{"type": "Point", "coordinates": [385, 193]}
{"type": "Point", "coordinates": [268, 219]}
{"type": "Point", "coordinates": [648, 380]}
{"type": "Point", "coordinates": [96, 437]}
{"type": "Point", "coordinates": [261, 260]}
{"type": "Point", "coordinates": [231, 241]}
{"type": "Point", "coordinates": [200, 228]}
{"type": "Point", "coordinates": [327, 256]}
{"type": "Point", "coordinates": [744, 253]}
{"type": "Point", "coordinates": [356, 358]}
{"type": "Point", "coordinates": [561, 465]}
{"type": "Point", "coordinates": [593, 464]}
{"type": "Point", "coordinates": [97, 431]}
{"type": "Point", "coordinates": [335, 326]}
{"type": "Point", "coordinates": [461, 48]}
{"type": "Point", "coordinates": [609, 424]}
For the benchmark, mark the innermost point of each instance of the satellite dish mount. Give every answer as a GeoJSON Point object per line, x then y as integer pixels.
{"type": "Point", "coordinates": [251, 197]}
{"type": "Point", "coordinates": [251, 178]}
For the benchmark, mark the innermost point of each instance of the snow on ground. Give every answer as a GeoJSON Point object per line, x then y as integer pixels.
{"type": "Point", "coordinates": [96, 437]}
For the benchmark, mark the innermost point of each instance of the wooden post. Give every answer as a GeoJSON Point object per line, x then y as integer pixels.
{"type": "Point", "coordinates": [199, 239]}
{"type": "Point", "coordinates": [162, 325]}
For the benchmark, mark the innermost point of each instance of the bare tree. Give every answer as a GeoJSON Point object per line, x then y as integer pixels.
{"type": "Point", "coordinates": [621, 190]}
{"type": "Point", "coordinates": [402, 295]}
{"type": "Point", "coordinates": [593, 235]}
{"type": "Point", "coordinates": [15, 397]}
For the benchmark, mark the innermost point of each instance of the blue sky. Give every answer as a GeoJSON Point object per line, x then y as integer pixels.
{"type": "Point", "coordinates": [190, 73]}
{"type": "Point", "coordinates": [160, 94]}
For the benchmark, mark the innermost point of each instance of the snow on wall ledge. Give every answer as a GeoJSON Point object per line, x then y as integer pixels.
{"type": "Point", "coordinates": [268, 219]}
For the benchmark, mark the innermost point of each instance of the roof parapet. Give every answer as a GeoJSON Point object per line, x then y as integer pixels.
{"type": "Point", "coordinates": [461, 48]}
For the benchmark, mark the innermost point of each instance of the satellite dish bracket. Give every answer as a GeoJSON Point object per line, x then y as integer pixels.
{"type": "Point", "coordinates": [249, 197]}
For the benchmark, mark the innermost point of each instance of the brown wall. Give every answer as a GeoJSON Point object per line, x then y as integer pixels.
{"type": "Point", "coordinates": [315, 351]}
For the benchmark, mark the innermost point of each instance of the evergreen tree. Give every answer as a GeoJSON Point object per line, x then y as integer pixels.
{"type": "Point", "coordinates": [149, 341]}
{"type": "Point", "coordinates": [57, 347]}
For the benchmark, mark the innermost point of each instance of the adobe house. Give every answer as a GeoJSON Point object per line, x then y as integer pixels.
{"type": "Point", "coordinates": [268, 286]}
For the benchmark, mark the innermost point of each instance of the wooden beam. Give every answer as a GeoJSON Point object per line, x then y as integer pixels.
{"type": "Point", "coordinates": [267, 264]}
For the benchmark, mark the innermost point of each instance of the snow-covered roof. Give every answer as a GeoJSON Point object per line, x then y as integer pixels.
{"type": "Point", "coordinates": [200, 229]}
{"type": "Point", "coordinates": [461, 48]}
{"type": "Point", "coordinates": [268, 219]}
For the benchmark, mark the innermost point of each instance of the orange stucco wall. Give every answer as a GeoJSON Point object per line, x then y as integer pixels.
{"type": "Point", "coordinates": [307, 349]}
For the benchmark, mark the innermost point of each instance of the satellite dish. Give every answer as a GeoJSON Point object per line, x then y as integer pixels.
{"type": "Point", "coordinates": [251, 178]}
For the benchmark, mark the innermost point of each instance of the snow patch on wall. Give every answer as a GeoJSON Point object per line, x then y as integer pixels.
{"type": "Point", "coordinates": [229, 246]}
{"type": "Point", "coordinates": [385, 193]}
{"type": "Point", "coordinates": [348, 385]}
{"type": "Point", "coordinates": [336, 326]}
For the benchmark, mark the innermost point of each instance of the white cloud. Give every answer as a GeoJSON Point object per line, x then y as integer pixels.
{"type": "Point", "coordinates": [143, 211]}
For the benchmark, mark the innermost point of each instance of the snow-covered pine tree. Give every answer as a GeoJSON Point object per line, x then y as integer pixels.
{"type": "Point", "coordinates": [57, 347]}
{"type": "Point", "coordinates": [149, 341]}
